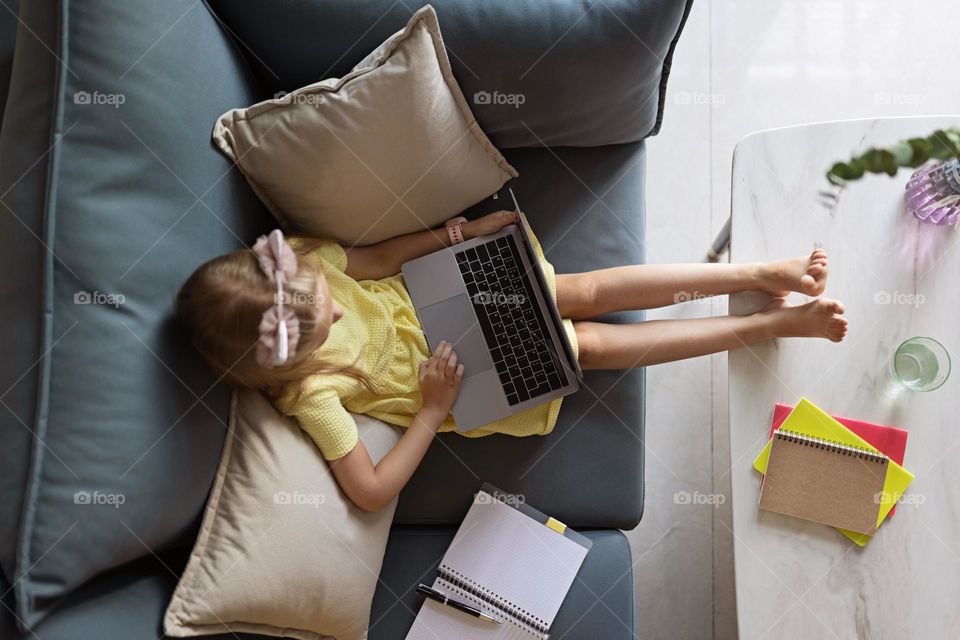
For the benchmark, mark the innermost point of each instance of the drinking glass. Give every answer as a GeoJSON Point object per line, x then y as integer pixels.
{"type": "Point", "coordinates": [920, 364]}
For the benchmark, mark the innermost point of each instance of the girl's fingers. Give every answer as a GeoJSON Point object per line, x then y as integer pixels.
{"type": "Point", "coordinates": [458, 375]}
{"type": "Point", "coordinates": [451, 366]}
{"type": "Point", "coordinates": [444, 355]}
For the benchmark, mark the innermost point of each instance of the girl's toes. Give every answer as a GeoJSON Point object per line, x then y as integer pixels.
{"type": "Point", "coordinates": [836, 306]}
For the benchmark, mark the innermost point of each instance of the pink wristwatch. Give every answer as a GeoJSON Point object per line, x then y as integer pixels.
{"type": "Point", "coordinates": [455, 229]}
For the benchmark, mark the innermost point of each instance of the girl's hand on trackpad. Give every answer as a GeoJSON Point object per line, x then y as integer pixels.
{"type": "Point", "coordinates": [440, 376]}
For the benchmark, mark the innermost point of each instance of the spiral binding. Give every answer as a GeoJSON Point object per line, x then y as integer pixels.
{"type": "Point", "coordinates": [830, 445]}
{"type": "Point", "coordinates": [536, 625]}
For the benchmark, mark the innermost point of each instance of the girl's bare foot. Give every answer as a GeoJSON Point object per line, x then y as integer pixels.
{"type": "Point", "coordinates": [821, 318]}
{"type": "Point", "coordinates": [805, 274]}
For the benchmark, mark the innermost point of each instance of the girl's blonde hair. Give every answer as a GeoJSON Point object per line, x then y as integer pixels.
{"type": "Point", "coordinates": [221, 305]}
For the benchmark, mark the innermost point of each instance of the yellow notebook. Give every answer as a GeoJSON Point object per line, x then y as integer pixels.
{"type": "Point", "coordinates": [809, 419]}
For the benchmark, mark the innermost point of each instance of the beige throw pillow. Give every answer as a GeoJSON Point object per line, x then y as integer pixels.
{"type": "Point", "coordinates": [281, 551]}
{"type": "Point", "coordinates": [388, 149]}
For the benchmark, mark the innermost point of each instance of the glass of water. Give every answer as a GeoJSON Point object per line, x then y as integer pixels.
{"type": "Point", "coordinates": [920, 364]}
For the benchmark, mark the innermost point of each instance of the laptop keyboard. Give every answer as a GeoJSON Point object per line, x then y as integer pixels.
{"type": "Point", "coordinates": [511, 320]}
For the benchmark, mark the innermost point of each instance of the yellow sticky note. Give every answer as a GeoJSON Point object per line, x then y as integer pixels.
{"type": "Point", "coordinates": [556, 525]}
{"type": "Point", "coordinates": [809, 419]}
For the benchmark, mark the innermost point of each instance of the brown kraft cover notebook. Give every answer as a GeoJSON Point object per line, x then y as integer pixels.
{"type": "Point", "coordinates": [823, 481]}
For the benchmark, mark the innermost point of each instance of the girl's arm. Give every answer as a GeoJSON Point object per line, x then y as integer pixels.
{"type": "Point", "coordinates": [385, 258]}
{"type": "Point", "coordinates": [372, 487]}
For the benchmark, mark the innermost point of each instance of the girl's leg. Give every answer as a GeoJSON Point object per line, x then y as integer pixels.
{"type": "Point", "coordinates": [612, 346]}
{"type": "Point", "coordinates": [647, 286]}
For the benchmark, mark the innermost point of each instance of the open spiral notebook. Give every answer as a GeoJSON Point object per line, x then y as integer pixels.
{"type": "Point", "coordinates": [511, 561]}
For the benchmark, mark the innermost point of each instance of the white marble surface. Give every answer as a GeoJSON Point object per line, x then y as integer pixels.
{"type": "Point", "coordinates": [898, 278]}
{"type": "Point", "coordinates": [744, 65]}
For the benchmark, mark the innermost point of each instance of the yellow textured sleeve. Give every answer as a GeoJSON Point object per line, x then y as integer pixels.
{"type": "Point", "coordinates": [326, 252]}
{"type": "Point", "coordinates": [321, 414]}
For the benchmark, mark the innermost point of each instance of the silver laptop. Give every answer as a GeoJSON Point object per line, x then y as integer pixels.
{"type": "Point", "coordinates": [489, 298]}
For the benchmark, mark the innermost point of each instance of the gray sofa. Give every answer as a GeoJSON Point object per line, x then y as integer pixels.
{"type": "Point", "coordinates": [112, 194]}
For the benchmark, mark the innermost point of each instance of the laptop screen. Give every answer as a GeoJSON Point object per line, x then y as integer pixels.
{"type": "Point", "coordinates": [538, 273]}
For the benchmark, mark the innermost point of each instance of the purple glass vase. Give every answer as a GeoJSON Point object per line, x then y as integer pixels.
{"type": "Point", "coordinates": [933, 192]}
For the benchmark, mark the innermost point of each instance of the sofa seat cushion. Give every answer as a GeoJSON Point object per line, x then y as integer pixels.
{"type": "Point", "coordinates": [128, 602]}
{"type": "Point", "coordinates": [586, 206]}
{"type": "Point", "coordinates": [562, 72]}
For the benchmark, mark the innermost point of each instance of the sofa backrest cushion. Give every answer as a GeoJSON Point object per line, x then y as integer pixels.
{"type": "Point", "coordinates": [112, 195]}
{"type": "Point", "coordinates": [558, 72]}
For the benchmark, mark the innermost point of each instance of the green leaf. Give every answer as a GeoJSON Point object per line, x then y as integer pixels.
{"type": "Point", "coordinates": [920, 148]}
{"type": "Point", "coordinates": [902, 153]}
{"type": "Point", "coordinates": [940, 148]}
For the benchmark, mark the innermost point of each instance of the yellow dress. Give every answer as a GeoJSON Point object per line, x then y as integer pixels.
{"type": "Point", "coordinates": [379, 334]}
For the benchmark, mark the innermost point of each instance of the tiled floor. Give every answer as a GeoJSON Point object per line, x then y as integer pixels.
{"type": "Point", "coordinates": [744, 65]}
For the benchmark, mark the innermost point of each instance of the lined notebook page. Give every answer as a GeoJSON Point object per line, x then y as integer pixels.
{"type": "Point", "coordinates": [440, 622]}
{"type": "Point", "coordinates": [514, 558]}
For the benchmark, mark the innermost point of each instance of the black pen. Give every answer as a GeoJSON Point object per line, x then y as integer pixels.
{"type": "Point", "coordinates": [442, 598]}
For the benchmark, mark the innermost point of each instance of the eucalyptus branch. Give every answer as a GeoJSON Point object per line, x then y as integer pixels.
{"type": "Point", "coordinates": [940, 145]}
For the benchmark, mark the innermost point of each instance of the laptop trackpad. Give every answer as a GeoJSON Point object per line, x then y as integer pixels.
{"type": "Point", "coordinates": [454, 320]}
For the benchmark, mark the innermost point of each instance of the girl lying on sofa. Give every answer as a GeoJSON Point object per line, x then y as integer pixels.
{"type": "Point", "coordinates": [323, 330]}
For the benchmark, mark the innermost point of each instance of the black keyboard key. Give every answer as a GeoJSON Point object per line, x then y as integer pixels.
{"type": "Point", "coordinates": [522, 393]}
{"type": "Point", "coordinates": [513, 399]}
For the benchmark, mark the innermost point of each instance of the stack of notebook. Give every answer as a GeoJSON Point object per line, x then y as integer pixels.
{"type": "Point", "coordinates": [840, 472]}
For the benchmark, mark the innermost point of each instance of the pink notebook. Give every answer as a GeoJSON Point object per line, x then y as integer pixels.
{"type": "Point", "coordinates": [890, 440]}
